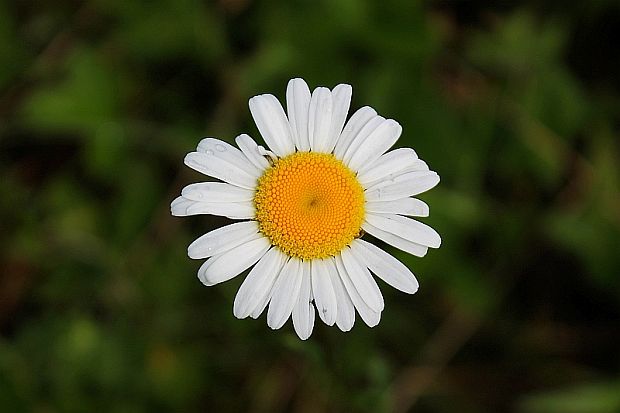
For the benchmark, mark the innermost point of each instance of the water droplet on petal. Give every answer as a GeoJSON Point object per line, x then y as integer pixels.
{"type": "Point", "coordinates": [220, 148]}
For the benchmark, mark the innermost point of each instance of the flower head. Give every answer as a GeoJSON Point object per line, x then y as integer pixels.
{"type": "Point", "coordinates": [305, 204]}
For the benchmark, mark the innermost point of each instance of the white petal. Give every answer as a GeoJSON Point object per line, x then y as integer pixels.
{"type": "Point", "coordinates": [420, 165]}
{"type": "Point", "coordinates": [298, 106]}
{"type": "Point", "coordinates": [375, 145]}
{"type": "Point", "coordinates": [363, 282]}
{"type": "Point", "coordinates": [370, 317]}
{"type": "Point", "coordinates": [284, 294]}
{"type": "Point", "coordinates": [303, 311]}
{"type": "Point", "coordinates": [345, 317]}
{"type": "Point", "coordinates": [323, 291]}
{"type": "Point", "coordinates": [417, 166]}
{"type": "Point", "coordinates": [342, 100]}
{"type": "Point", "coordinates": [320, 119]}
{"type": "Point", "coordinates": [352, 128]}
{"type": "Point", "coordinates": [250, 149]}
{"type": "Point", "coordinates": [395, 241]}
{"type": "Point", "coordinates": [272, 124]}
{"type": "Point", "coordinates": [386, 165]}
{"type": "Point", "coordinates": [261, 307]}
{"type": "Point", "coordinates": [362, 136]}
{"type": "Point", "coordinates": [223, 239]}
{"type": "Point", "coordinates": [385, 266]}
{"type": "Point", "coordinates": [182, 206]}
{"type": "Point", "coordinates": [405, 206]}
{"type": "Point", "coordinates": [256, 287]}
{"type": "Point", "coordinates": [226, 151]}
{"type": "Point", "coordinates": [233, 262]}
{"type": "Point", "coordinates": [216, 192]}
{"type": "Point", "coordinates": [311, 316]}
{"type": "Point", "coordinates": [402, 186]}
{"type": "Point", "coordinates": [227, 168]}
{"type": "Point", "coordinates": [406, 228]}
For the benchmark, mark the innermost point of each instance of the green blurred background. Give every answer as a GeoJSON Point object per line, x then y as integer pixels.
{"type": "Point", "coordinates": [516, 105]}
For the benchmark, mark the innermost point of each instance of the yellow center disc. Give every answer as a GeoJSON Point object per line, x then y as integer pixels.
{"type": "Point", "coordinates": [310, 205]}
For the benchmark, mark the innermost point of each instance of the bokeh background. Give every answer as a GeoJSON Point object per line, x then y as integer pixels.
{"type": "Point", "coordinates": [516, 105]}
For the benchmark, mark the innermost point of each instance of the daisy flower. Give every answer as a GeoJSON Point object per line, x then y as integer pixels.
{"type": "Point", "coordinates": [304, 205]}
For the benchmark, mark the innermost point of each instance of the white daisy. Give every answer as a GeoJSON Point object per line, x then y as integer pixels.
{"type": "Point", "coordinates": [304, 206]}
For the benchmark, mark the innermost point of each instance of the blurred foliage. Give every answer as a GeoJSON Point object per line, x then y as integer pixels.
{"type": "Point", "coordinates": [515, 105]}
